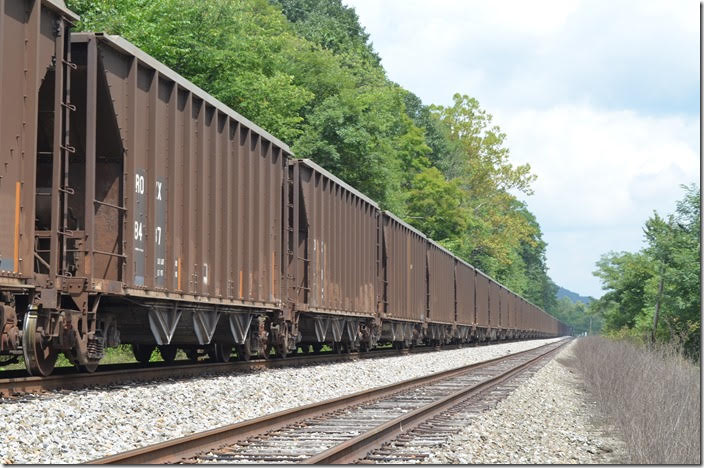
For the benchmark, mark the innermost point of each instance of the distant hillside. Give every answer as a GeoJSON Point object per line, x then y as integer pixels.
{"type": "Point", "coordinates": [573, 296]}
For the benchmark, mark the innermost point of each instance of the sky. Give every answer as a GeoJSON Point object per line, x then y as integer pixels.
{"type": "Point", "coordinates": [601, 98]}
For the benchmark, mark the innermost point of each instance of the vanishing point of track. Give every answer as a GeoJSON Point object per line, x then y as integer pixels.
{"type": "Point", "coordinates": [344, 429]}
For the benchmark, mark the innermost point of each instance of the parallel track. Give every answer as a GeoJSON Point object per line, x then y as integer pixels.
{"type": "Point", "coordinates": [340, 430]}
{"type": "Point", "coordinates": [116, 374]}
{"type": "Point", "coordinates": [17, 382]}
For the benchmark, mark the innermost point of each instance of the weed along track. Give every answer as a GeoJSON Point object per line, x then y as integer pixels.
{"type": "Point", "coordinates": [341, 430]}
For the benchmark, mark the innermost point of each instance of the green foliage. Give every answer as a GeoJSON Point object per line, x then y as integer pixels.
{"type": "Point", "coordinates": [631, 280]}
{"type": "Point", "coordinates": [438, 206]}
{"type": "Point", "coordinates": [332, 25]}
{"type": "Point", "coordinates": [581, 317]}
{"type": "Point", "coordinates": [238, 51]}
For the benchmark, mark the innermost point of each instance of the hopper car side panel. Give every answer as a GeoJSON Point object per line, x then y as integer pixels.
{"type": "Point", "coordinates": [482, 300]}
{"type": "Point", "coordinates": [441, 285]}
{"type": "Point", "coordinates": [465, 275]}
{"type": "Point", "coordinates": [513, 305]}
{"type": "Point", "coordinates": [338, 239]}
{"type": "Point", "coordinates": [494, 304]}
{"type": "Point", "coordinates": [404, 257]}
{"type": "Point", "coordinates": [504, 317]}
{"type": "Point", "coordinates": [32, 36]}
{"type": "Point", "coordinates": [202, 190]}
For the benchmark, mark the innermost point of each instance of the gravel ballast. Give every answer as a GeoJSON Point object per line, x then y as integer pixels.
{"type": "Point", "coordinates": [78, 426]}
{"type": "Point", "coordinates": [549, 419]}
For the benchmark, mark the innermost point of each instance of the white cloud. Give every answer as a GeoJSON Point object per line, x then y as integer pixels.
{"type": "Point", "coordinates": [600, 176]}
{"type": "Point", "coordinates": [599, 167]}
{"type": "Point", "coordinates": [622, 53]}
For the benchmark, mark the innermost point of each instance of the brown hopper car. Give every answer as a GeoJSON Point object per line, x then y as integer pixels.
{"type": "Point", "coordinates": [136, 208]}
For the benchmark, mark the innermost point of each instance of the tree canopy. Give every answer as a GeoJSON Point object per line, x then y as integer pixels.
{"type": "Point", "coordinates": [671, 257]}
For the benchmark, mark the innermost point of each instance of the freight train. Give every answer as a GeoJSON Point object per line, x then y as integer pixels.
{"type": "Point", "coordinates": [136, 208]}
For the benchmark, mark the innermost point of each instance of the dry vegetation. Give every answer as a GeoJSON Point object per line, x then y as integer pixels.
{"type": "Point", "coordinates": [651, 395]}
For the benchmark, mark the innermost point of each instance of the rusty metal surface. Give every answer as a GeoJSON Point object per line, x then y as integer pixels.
{"type": "Point", "coordinates": [503, 307]}
{"type": "Point", "coordinates": [441, 285]}
{"type": "Point", "coordinates": [202, 201]}
{"type": "Point", "coordinates": [337, 242]}
{"type": "Point", "coordinates": [515, 311]}
{"type": "Point", "coordinates": [464, 275]}
{"type": "Point", "coordinates": [28, 43]}
{"type": "Point", "coordinates": [482, 299]}
{"type": "Point", "coordinates": [404, 265]}
{"type": "Point", "coordinates": [494, 303]}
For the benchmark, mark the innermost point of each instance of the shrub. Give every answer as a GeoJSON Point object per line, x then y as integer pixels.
{"type": "Point", "coordinates": [651, 395]}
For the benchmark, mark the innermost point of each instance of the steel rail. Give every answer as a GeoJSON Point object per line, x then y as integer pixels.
{"type": "Point", "coordinates": [359, 446]}
{"type": "Point", "coordinates": [17, 382]}
{"type": "Point", "coordinates": [175, 450]}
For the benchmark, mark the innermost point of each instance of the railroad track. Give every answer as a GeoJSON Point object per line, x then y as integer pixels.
{"type": "Point", "coordinates": [17, 382]}
{"type": "Point", "coordinates": [344, 429]}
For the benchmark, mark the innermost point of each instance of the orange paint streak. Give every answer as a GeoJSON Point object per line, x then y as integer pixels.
{"type": "Point", "coordinates": [17, 228]}
{"type": "Point", "coordinates": [178, 274]}
{"type": "Point", "coordinates": [272, 274]}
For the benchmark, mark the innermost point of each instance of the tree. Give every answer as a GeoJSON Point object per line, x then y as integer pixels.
{"type": "Point", "coordinates": [671, 258]}
{"type": "Point", "coordinates": [674, 246]}
{"type": "Point", "coordinates": [435, 206]}
{"type": "Point", "coordinates": [237, 50]}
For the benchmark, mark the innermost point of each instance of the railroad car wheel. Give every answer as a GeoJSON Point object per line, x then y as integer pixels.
{"type": "Point", "coordinates": [337, 347]}
{"type": "Point", "coordinates": [39, 355]}
{"type": "Point", "coordinates": [220, 352]}
{"type": "Point", "coordinates": [142, 352]}
{"type": "Point", "coordinates": [168, 353]}
{"type": "Point", "coordinates": [317, 347]}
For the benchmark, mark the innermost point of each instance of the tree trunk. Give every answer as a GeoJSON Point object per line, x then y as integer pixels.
{"type": "Point", "coordinates": [657, 307]}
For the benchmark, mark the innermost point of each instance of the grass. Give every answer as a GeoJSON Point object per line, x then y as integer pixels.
{"type": "Point", "coordinates": [118, 355]}
{"type": "Point", "coordinates": [652, 395]}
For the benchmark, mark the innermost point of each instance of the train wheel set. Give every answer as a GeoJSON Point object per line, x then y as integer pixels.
{"type": "Point", "coordinates": [137, 209]}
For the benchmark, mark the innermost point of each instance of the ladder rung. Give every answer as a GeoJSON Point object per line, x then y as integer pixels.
{"type": "Point", "coordinates": [72, 65]}
{"type": "Point", "coordinates": [121, 208]}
